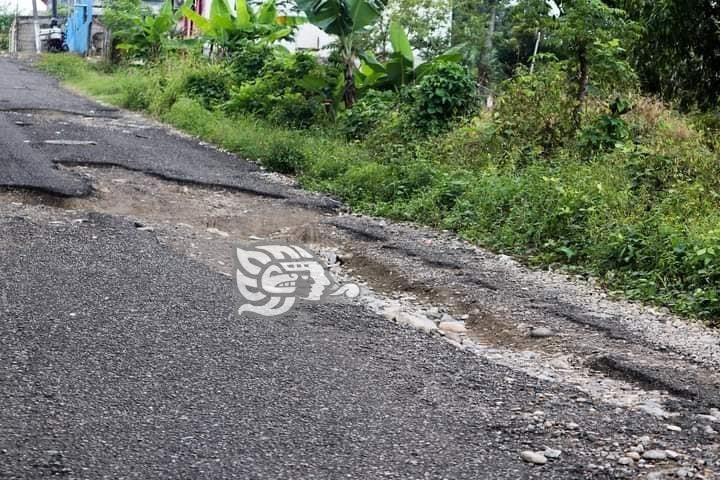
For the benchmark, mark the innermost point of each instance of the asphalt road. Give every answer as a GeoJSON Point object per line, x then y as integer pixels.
{"type": "Point", "coordinates": [122, 359]}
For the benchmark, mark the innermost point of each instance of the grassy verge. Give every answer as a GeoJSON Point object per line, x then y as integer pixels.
{"type": "Point", "coordinates": [643, 216]}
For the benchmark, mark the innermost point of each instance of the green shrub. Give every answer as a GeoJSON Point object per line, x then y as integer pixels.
{"type": "Point", "coordinates": [292, 90]}
{"type": "Point", "coordinates": [445, 93]}
{"type": "Point", "coordinates": [533, 115]}
{"type": "Point", "coordinates": [247, 60]}
{"type": "Point", "coordinates": [285, 158]}
{"type": "Point", "coordinates": [606, 131]}
{"type": "Point", "coordinates": [358, 121]}
{"type": "Point", "coordinates": [210, 84]}
{"type": "Point", "coordinates": [138, 91]}
{"type": "Point", "coordinates": [294, 110]}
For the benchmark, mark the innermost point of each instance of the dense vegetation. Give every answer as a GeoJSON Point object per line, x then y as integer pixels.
{"type": "Point", "coordinates": [6, 19]}
{"type": "Point", "coordinates": [574, 163]}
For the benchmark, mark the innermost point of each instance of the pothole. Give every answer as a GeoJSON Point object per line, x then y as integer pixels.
{"type": "Point", "coordinates": [205, 223]}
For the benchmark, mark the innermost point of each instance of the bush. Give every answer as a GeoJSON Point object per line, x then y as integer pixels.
{"type": "Point", "coordinates": [445, 93]}
{"type": "Point", "coordinates": [285, 158]}
{"type": "Point", "coordinates": [292, 90]}
{"type": "Point", "coordinates": [606, 131]}
{"type": "Point", "coordinates": [210, 84]}
{"type": "Point", "coordinates": [295, 110]}
{"type": "Point", "coordinates": [533, 115]}
{"type": "Point", "coordinates": [247, 60]}
{"type": "Point", "coordinates": [138, 91]}
{"type": "Point", "coordinates": [357, 122]}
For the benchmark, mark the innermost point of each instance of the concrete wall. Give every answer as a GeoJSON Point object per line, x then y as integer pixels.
{"type": "Point", "coordinates": [22, 33]}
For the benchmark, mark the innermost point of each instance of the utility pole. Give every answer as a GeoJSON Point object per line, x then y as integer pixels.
{"type": "Point", "coordinates": [36, 26]}
{"type": "Point", "coordinates": [535, 50]}
{"type": "Point", "coordinates": [484, 69]}
{"type": "Point", "coordinates": [54, 8]}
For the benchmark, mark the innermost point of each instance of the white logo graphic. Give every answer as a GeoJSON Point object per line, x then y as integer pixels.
{"type": "Point", "coordinates": [271, 277]}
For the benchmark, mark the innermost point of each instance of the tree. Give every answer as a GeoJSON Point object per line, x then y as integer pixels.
{"type": "Point", "coordinates": [344, 19]}
{"type": "Point", "coordinates": [677, 54]}
{"type": "Point", "coordinates": [587, 33]}
{"type": "Point", "coordinates": [475, 26]}
{"type": "Point", "coordinates": [525, 27]}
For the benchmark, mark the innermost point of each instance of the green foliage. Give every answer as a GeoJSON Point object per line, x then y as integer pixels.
{"type": "Point", "coordinates": [345, 19]}
{"type": "Point", "coordinates": [445, 92]}
{"type": "Point", "coordinates": [285, 158]}
{"type": "Point", "coordinates": [64, 67]}
{"type": "Point", "coordinates": [400, 69]}
{"type": "Point", "coordinates": [228, 29]}
{"type": "Point", "coordinates": [122, 18]}
{"type": "Point", "coordinates": [342, 17]}
{"type": "Point", "coordinates": [677, 54]}
{"type": "Point", "coordinates": [607, 130]}
{"type": "Point", "coordinates": [142, 34]}
{"type": "Point", "coordinates": [247, 59]}
{"type": "Point", "coordinates": [210, 85]}
{"type": "Point", "coordinates": [292, 90]}
{"type": "Point", "coordinates": [359, 121]}
{"type": "Point", "coordinates": [533, 114]}
{"type": "Point", "coordinates": [425, 20]}
{"type": "Point", "coordinates": [6, 20]}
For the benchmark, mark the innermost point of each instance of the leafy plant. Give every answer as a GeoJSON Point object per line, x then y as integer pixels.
{"type": "Point", "coordinates": [400, 69]}
{"type": "Point", "coordinates": [445, 92]}
{"type": "Point", "coordinates": [226, 30]}
{"type": "Point", "coordinates": [292, 89]}
{"type": "Point", "coordinates": [589, 32]}
{"type": "Point", "coordinates": [607, 130]}
{"type": "Point", "coordinates": [285, 158]}
{"type": "Point", "coordinates": [366, 114]}
{"type": "Point", "coordinates": [146, 35]}
{"type": "Point", "coordinates": [210, 85]}
{"type": "Point", "coordinates": [344, 18]}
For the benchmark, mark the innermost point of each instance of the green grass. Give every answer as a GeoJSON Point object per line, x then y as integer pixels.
{"type": "Point", "coordinates": [644, 217]}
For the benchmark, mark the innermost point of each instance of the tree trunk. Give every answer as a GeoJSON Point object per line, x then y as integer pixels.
{"type": "Point", "coordinates": [583, 78]}
{"type": "Point", "coordinates": [349, 93]}
{"type": "Point", "coordinates": [486, 60]}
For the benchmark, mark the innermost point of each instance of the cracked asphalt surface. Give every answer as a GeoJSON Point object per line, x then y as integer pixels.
{"type": "Point", "coordinates": [127, 359]}
{"type": "Point", "coordinates": [121, 358]}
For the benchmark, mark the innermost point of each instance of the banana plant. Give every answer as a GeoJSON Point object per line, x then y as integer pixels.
{"type": "Point", "coordinates": [401, 67]}
{"type": "Point", "coordinates": [344, 18]}
{"type": "Point", "coordinates": [225, 28]}
{"type": "Point", "coordinates": [148, 35]}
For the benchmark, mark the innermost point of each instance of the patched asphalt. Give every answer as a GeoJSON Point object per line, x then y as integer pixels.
{"type": "Point", "coordinates": [84, 132]}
